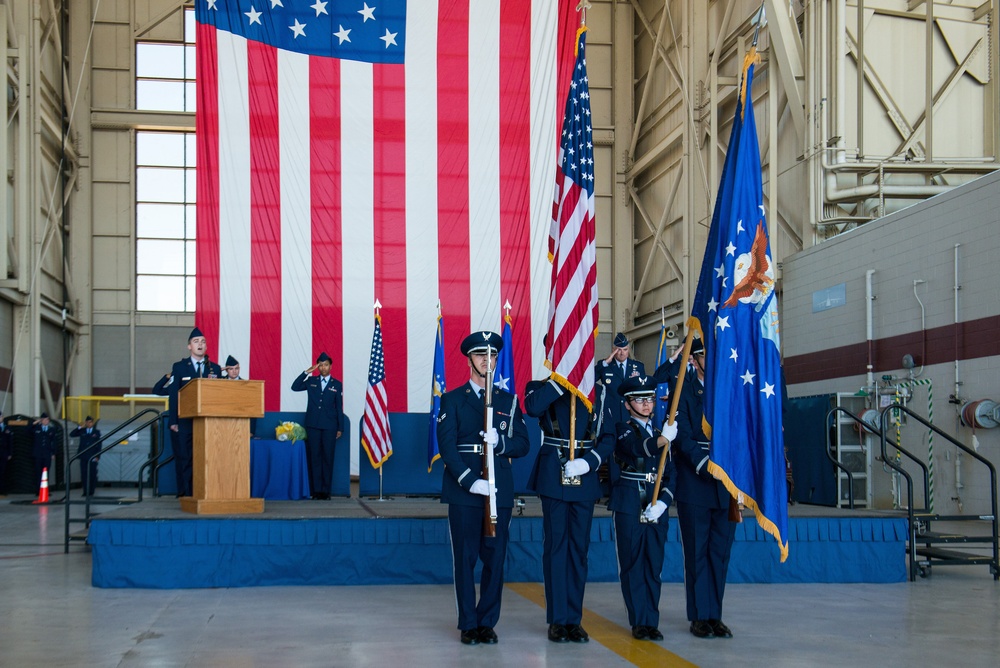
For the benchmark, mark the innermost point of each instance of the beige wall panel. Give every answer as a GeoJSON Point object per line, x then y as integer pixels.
{"type": "Point", "coordinates": [113, 10]}
{"type": "Point", "coordinates": [113, 209]}
{"type": "Point", "coordinates": [600, 108]}
{"type": "Point", "coordinates": [112, 157]}
{"type": "Point", "coordinates": [602, 210]}
{"type": "Point", "coordinates": [112, 263]}
{"type": "Point", "coordinates": [112, 89]}
{"type": "Point", "coordinates": [111, 301]}
{"type": "Point", "coordinates": [170, 29]}
{"type": "Point", "coordinates": [111, 46]}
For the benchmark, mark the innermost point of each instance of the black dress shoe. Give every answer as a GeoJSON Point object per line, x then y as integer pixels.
{"type": "Point", "coordinates": [558, 633]}
{"type": "Point", "coordinates": [640, 633]}
{"type": "Point", "coordinates": [702, 629]}
{"type": "Point", "coordinates": [470, 637]}
{"type": "Point", "coordinates": [577, 633]}
{"type": "Point", "coordinates": [719, 629]}
{"type": "Point", "coordinates": [654, 633]}
{"type": "Point", "coordinates": [487, 636]}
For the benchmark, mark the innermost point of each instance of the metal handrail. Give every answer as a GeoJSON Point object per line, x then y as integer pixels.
{"type": "Point", "coordinates": [883, 427]}
{"type": "Point", "coordinates": [829, 454]}
{"type": "Point", "coordinates": [995, 566]}
{"type": "Point", "coordinates": [115, 442]}
{"type": "Point", "coordinates": [155, 472]}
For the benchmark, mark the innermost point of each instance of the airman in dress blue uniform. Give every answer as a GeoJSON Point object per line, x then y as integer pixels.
{"type": "Point", "coordinates": [43, 444]}
{"type": "Point", "coordinates": [613, 371]}
{"type": "Point", "coordinates": [567, 509]}
{"type": "Point", "coordinates": [461, 438]}
{"type": "Point", "coordinates": [640, 520]}
{"type": "Point", "coordinates": [89, 435]}
{"type": "Point", "coordinates": [182, 429]}
{"type": "Point", "coordinates": [324, 422]}
{"type": "Point", "coordinates": [702, 512]}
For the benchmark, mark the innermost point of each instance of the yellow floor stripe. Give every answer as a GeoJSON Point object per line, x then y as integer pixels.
{"type": "Point", "coordinates": [614, 636]}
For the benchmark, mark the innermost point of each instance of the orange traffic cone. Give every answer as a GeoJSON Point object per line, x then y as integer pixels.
{"type": "Point", "coordinates": [43, 491]}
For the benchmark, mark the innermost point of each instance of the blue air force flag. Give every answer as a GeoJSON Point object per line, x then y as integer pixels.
{"type": "Point", "coordinates": [736, 311]}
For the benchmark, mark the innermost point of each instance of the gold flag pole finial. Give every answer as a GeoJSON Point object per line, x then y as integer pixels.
{"type": "Point", "coordinates": [582, 7]}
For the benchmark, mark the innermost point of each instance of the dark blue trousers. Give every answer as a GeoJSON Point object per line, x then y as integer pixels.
{"type": "Point", "coordinates": [707, 540]}
{"type": "Point", "coordinates": [468, 544]}
{"type": "Point", "coordinates": [183, 442]}
{"type": "Point", "coordinates": [564, 557]}
{"type": "Point", "coordinates": [88, 475]}
{"type": "Point", "coordinates": [640, 563]}
{"type": "Point", "coordinates": [320, 445]}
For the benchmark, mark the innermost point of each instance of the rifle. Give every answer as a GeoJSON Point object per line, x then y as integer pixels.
{"type": "Point", "coordinates": [489, 471]}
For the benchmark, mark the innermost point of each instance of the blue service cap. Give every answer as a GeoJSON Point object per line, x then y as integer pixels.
{"type": "Point", "coordinates": [697, 346]}
{"type": "Point", "coordinates": [478, 342]}
{"type": "Point", "coordinates": [195, 333]}
{"type": "Point", "coordinates": [637, 386]}
{"type": "Point", "coordinates": [621, 340]}
{"type": "Point", "coordinates": [231, 361]}
{"type": "Point", "coordinates": [323, 357]}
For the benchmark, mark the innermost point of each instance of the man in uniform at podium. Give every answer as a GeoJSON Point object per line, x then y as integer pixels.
{"type": "Point", "coordinates": [197, 365]}
{"type": "Point", "coordinates": [324, 423]}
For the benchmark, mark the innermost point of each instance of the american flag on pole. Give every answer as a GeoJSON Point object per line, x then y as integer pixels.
{"type": "Point", "coordinates": [347, 149]}
{"type": "Point", "coordinates": [376, 437]}
{"type": "Point", "coordinates": [572, 251]}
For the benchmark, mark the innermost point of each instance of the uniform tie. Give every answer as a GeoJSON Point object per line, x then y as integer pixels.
{"type": "Point", "coordinates": [621, 365]}
{"type": "Point", "coordinates": [199, 369]}
{"type": "Point", "coordinates": [323, 383]}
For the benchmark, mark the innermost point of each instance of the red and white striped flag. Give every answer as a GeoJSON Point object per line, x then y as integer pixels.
{"type": "Point", "coordinates": [344, 151]}
{"type": "Point", "coordinates": [573, 300]}
{"type": "Point", "coordinates": [376, 437]}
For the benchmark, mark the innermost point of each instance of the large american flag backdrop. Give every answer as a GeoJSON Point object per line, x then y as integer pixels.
{"type": "Point", "coordinates": [352, 150]}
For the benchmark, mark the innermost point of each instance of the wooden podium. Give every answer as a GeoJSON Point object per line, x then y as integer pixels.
{"type": "Point", "coordinates": [221, 412]}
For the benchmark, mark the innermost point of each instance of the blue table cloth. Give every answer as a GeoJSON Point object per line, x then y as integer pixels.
{"type": "Point", "coordinates": [278, 470]}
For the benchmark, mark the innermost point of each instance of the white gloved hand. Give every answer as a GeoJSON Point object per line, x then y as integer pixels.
{"type": "Point", "coordinates": [669, 431]}
{"type": "Point", "coordinates": [577, 467]}
{"type": "Point", "coordinates": [654, 510]}
{"type": "Point", "coordinates": [481, 487]}
{"type": "Point", "coordinates": [490, 436]}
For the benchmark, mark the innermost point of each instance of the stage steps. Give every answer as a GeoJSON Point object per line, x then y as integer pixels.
{"type": "Point", "coordinates": [928, 544]}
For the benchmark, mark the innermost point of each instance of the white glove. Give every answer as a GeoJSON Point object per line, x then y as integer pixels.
{"type": "Point", "coordinates": [481, 487]}
{"type": "Point", "coordinates": [654, 510]}
{"type": "Point", "coordinates": [490, 436]}
{"type": "Point", "coordinates": [577, 467]}
{"type": "Point", "coordinates": [669, 431]}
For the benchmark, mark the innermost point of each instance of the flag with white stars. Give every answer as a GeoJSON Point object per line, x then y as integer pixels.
{"type": "Point", "coordinates": [376, 437]}
{"type": "Point", "coordinates": [503, 377]}
{"type": "Point", "coordinates": [438, 387]}
{"type": "Point", "coordinates": [573, 310]}
{"type": "Point", "coordinates": [353, 148]}
{"type": "Point", "coordinates": [369, 32]}
{"type": "Point", "coordinates": [736, 313]}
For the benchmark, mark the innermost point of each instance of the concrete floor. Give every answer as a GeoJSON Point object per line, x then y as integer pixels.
{"type": "Point", "coordinates": [51, 616]}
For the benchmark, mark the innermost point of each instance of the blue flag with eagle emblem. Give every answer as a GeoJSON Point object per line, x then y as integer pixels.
{"type": "Point", "coordinates": [736, 312]}
{"type": "Point", "coordinates": [504, 376]}
{"type": "Point", "coordinates": [438, 388]}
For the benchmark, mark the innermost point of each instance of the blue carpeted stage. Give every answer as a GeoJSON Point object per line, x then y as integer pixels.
{"type": "Point", "coordinates": [405, 541]}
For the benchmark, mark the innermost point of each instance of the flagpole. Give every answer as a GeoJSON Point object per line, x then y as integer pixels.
{"type": "Point", "coordinates": [672, 413]}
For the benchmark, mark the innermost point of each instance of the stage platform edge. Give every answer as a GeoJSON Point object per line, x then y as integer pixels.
{"type": "Point", "coordinates": [366, 542]}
